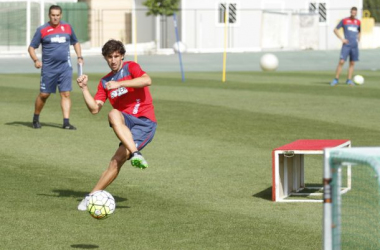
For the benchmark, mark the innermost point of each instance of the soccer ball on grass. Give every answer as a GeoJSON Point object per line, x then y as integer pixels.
{"type": "Point", "coordinates": [101, 204]}
{"type": "Point", "coordinates": [358, 80]}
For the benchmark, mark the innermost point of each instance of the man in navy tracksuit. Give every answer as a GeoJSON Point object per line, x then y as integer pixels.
{"type": "Point", "coordinates": [350, 47]}
{"type": "Point", "coordinates": [56, 38]}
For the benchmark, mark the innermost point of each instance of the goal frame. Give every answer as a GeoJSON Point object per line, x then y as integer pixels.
{"type": "Point", "coordinates": [334, 160]}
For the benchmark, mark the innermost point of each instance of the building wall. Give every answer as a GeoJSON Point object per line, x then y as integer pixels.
{"type": "Point", "coordinates": [202, 31]}
{"type": "Point", "coordinates": [110, 19]}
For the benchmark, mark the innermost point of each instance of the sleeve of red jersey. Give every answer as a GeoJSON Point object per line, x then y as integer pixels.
{"type": "Point", "coordinates": [101, 94]}
{"type": "Point", "coordinates": [135, 70]}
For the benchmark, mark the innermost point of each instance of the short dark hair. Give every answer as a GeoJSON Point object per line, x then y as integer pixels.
{"type": "Point", "coordinates": [55, 7]}
{"type": "Point", "coordinates": [113, 46]}
{"type": "Point", "coordinates": [354, 8]}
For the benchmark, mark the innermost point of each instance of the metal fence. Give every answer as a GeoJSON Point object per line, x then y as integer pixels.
{"type": "Point", "coordinates": [202, 30]}
{"type": "Point", "coordinates": [18, 22]}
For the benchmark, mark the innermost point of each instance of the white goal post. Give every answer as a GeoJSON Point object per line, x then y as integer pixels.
{"type": "Point", "coordinates": [362, 201]}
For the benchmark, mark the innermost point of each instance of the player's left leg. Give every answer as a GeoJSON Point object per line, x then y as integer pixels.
{"type": "Point", "coordinates": [109, 175]}
{"type": "Point", "coordinates": [350, 73]}
{"type": "Point", "coordinates": [65, 86]}
{"type": "Point", "coordinates": [354, 56]}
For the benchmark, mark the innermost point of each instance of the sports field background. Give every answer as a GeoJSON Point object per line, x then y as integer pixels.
{"type": "Point", "coordinates": [209, 181]}
{"type": "Point", "coordinates": [289, 61]}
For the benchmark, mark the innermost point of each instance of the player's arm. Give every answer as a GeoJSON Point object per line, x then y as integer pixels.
{"type": "Point", "coordinates": [336, 31]}
{"type": "Point", "coordinates": [94, 106]}
{"type": "Point", "coordinates": [138, 82]}
{"type": "Point", "coordinates": [32, 53]}
{"type": "Point", "coordinates": [78, 51]}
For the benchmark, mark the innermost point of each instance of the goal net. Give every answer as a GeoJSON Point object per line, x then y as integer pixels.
{"type": "Point", "coordinates": [19, 20]}
{"type": "Point", "coordinates": [352, 220]}
{"type": "Point", "coordinates": [287, 30]}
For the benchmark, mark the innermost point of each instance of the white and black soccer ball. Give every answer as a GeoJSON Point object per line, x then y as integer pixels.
{"type": "Point", "coordinates": [101, 204]}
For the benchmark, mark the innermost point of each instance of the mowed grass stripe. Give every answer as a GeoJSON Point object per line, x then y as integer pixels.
{"type": "Point", "coordinates": [208, 185]}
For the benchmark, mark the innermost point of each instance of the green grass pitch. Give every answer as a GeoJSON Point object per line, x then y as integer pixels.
{"type": "Point", "coordinates": [209, 181]}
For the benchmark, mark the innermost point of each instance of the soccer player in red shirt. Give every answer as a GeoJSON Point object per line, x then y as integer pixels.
{"type": "Point", "coordinates": [132, 117]}
{"type": "Point", "coordinates": [350, 45]}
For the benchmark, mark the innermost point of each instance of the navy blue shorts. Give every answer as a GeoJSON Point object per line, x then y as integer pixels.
{"type": "Point", "coordinates": [142, 129]}
{"type": "Point", "coordinates": [50, 81]}
{"type": "Point", "coordinates": [353, 52]}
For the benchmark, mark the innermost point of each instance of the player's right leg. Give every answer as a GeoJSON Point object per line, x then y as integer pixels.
{"type": "Point", "coordinates": [109, 175]}
{"type": "Point", "coordinates": [343, 57]}
{"type": "Point", "coordinates": [47, 86]}
{"type": "Point", "coordinates": [38, 106]}
{"type": "Point", "coordinates": [335, 81]}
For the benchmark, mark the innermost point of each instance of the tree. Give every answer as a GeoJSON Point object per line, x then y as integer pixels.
{"type": "Point", "coordinates": [161, 7]}
{"type": "Point", "coordinates": [374, 7]}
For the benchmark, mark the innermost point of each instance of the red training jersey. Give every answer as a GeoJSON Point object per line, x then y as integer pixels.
{"type": "Point", "coordinates": [134, 101]}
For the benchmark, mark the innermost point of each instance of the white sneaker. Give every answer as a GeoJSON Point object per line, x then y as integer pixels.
{"type": "Point", "coordinates": [83, 204]}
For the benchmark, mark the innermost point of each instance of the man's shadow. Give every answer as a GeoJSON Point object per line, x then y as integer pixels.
{"type": "Point", "coordinates": [29, 124]}
{"type": "Point", "coordinates": [67, 193]}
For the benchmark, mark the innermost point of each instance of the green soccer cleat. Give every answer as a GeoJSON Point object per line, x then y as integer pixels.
{"type": "Point", "coordinates": [138, 161]}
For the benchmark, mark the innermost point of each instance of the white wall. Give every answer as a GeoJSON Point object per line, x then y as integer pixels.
{"type": "Point", "coordinates": [201, 30]}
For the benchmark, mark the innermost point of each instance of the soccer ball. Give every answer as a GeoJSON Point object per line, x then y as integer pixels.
{"type": "Point", "coordinates": [269, 62]}
{"type": "Point", "coordinates": [179, 47]}
{"type": "Point", "coordinates": [358, 79]}
{"type": "Point", "coordinates": [101, 204]}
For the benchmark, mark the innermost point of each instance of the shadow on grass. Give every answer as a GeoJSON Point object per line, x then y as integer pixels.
{"type": "Point", "coordinates": [266, 194]}
{"type": "Point", "coordinates": [29, 124]}
{"type": "Point", "coordinates": [321, 83]}
{"type": "Point", "coordinates": [79, 195]}
{"type": "Point", "coordinates": [84, 246]}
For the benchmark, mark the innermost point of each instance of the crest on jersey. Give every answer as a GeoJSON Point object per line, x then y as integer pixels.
{"type": "Point", "coordinates": [63, 28]}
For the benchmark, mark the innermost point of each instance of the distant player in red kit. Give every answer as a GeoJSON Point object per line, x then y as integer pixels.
{"type": "Point", "coordinates": [132, 119]}
{"type": "Point", "coordinates": [350, 45]}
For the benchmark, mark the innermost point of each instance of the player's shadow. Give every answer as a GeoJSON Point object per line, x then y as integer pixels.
{"type": "Point", "coordinates": [29, 124]}
{"type": "Point", "coordinates": [85, 246]}
{"type": "Point", "coordinates": [265, 194]}
{"type": "Point", "coordinates": [79, 195]}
